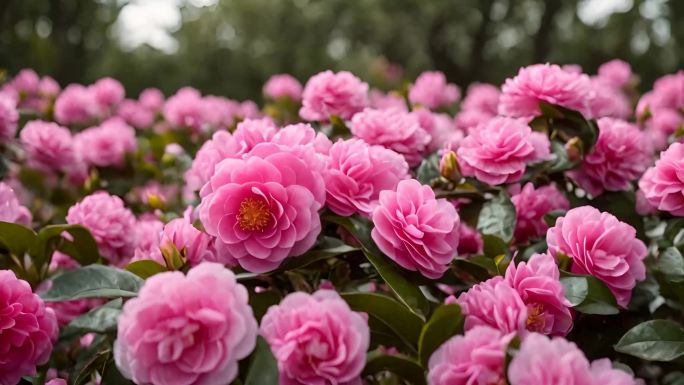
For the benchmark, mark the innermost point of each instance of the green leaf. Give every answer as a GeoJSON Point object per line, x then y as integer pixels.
{"type": "Point", "coordinates": [655, 340]}
{"type": "Point", "coordinates": [99, 320]}
{"type": "Point", "coordinates": [428, 170]}
{"type": "Point", "coordinates": [327, 247]}
{"type": "Point", "coordinates": [497, 218]}
{"type": "Point", "coordinates": [145, 268]}
{"type": "Point", "coordinates": [446, 321]}
{"type": "Point", "coordinates": [550, 217]}
{"type": "Point", "coordinates": [93, 281]}
{"type": "Point", "coordinates": [569, 123]}
{"type": "Point", "coordinates": [397, 317]}
{"type": "Point", "coordinates": [83, 248]}
{"type": "Point", "coordinates": [671, 264]}
{"type": "Point", "coordinates": [260, 302]}
{"type": "Point", "coordinates": [16, 238]}
{"type": "Point", "coordinates": [589, 295]}
{"type": "Point", "coordinates": [403, 366]}
{"type": "Point", "coordinates": [407, 292]}
{"type": "Point", "coordinates": [263, 369]}
{"type": "Point", "coordinates": [494, 246]}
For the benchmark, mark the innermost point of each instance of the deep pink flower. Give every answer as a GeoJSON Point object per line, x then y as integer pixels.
{"type": "Point", "coordinates": [531, 205]}
{"type": "Point", "coordinates": [476, 358]}
{"type": "Point", "coordinates": [497, 152]}
{"type": "Point", "coordinates": [185, 109]}
{"type": "Point", "coordinates": [493, 303]}
{"type": "Point", "coordinates": [186, 330]}
{"type": "Point", "coordinates": [263, 209]}
{"type": "Point", "coordinates": [195, 245]}
{"type": "Point", "coordinates": [317, 339]}
{"type": "Point", "coordinates": [108, 93]}
{"type": "Point", "coordinates": [600, 245]}
{"type": "Point", "coordinates": [618, 158]}
{"type": "Point", "coordinates": [10, 208]}
{"type": "Point", "coordinates": [283, 86]}
{"type": "Point", "coordinates": [9, 116]}
{"type": "Point", "coordinates": [470, 241]}
{"type": "Point", "coordinates": [663, 184]}
{"type": "Point", "coordinates": [544, 361]}
{"type": "Point", "coordinates": [617, 72]}
{"type": "Point", "coordinates": [356, 173]}
{"type": "Point", "coordinates": [50, 147]}
{"type": "Point", "coordinates": [107, 144]}
{"type": "Point", "coordinates": [152, 99]}
{"type": "Point", "coordinates": [416, 230]}
{"type": "Point", "coordinates": [251, 132]}
{"type": "Point", "coordinates": [431, 90]}
{"type": "Point", "coordinates": [520, 96]}
{"type": "Point", "coordinates": [28, 329]}
{"type": "Point", "coordinates": [76, 105]}
{"type": "Point", "coordinates": [537, 281]}
{"type": "Point", "coordinates": [110, 223]}
{"type": "Point", "coordinates": [395, 129]}
{"type": "Point", "coordinates": [328, 93]}
{"type": "Point", "coordinates": [482, 97]}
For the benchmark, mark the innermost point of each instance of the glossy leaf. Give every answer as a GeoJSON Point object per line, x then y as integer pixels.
{"type": "Point", "coordinates": [446, 321]}
{"type": "Point", "coordinates": [102, 319]}
{"type": "Point", "coordinates": [494, 246]}
{"type": "Point", "coordinates": [671, 265]}
{"type": "Point", "coordinates": [497, 218]}
{"type": "Point", "coordinates": [82, 247]}
{"type": "Point", "coordinates": [145, 268]}
{"type": "Point", "coordinates": [327, 247]}
{"type": "Point", "coordinates": [93, 281]}
{"type": "Point", "coordinates": [655, 340]}
{"type": "Point", "coordinates": [428, 170]}
{"type": "Point", "coordinates": [263, 369]}
{"type": "Point", "coordinates": [16, 238]}
{"type": "Point", "coordinates": [402, 366]}
{"type": "Point", "coordinates": [589, 295]}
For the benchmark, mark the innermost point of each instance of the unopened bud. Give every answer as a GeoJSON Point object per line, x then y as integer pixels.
{"type": "Point", "coordinates": [574, 149]}
{"type": "Point", "coordinates": [448, 167]}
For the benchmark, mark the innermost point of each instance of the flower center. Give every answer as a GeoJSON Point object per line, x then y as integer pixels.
{"type": "Point", "coordinates": [535, 318]}
{"type": "Point", "coordinates": [254, 214]}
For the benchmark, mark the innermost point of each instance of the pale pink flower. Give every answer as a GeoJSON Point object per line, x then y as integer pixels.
{"type": "Point", "coordinates": [10, 208]}
{"type": "Point", "coordinates": [329, 94]}
{"type": "Point", "coordinates": [283, 86]}
{"type": "Point", "coordinates": [666, 120]}
{"type": "Point", "coordinates": [668, 92]}
{"type": "Point", "coordinates": [110, 223]}
{"type": "Point", "coordinates": [108, 93]}
{"type": "Point", "coordinates": [356, 173]}
{"type": "Point", "coordinates": [185, 109]}
{"type": "Point", "coordinates": [663, 184]}
{"type": "Point", "coordinates": [196, 246]}
{"type": "Point", "coordinates": [221, 146]}
{"type": "Point", "coordinates": [107, 144]}
{"type": "Point", "coordinates": [618, 158]}
{"type": "Point", "coordinates": [482, 97]}
{"type": "Point", "coordinates": [148, 234]}
{"type": "Point", "coordinates": [431, 90]}
{"type": "Point", "coordinates": [76, 105]}
{"type": "Point", "coordinates": [135, 114]}
{"type": "Point", "coordinates": [395, 129]}
{"type": "Point", "coordinates": [476, 358]}
{"type": "Point", "coordinates": [616, 72]}
{"type": "Point", "coordinates": [381, 101]}
{"type": "Point", "coordinates": [493, 303]}
{"type": "Point", "coordinates": [27, 332]}
{"type": "Point", "coordinates": [317, 339]}
{"type": "Point", "coordinates": [9, 116]}
{"type": "Point", "coordinates": [441, 127]}
{"type": "Point", "coordinates": [497, 152]}
{"type": "Point", "coordinates": [604, 374]}
{"type": "Point", "coordinates": [608, 101]}
{"type": "Point", "coordinates": [49, 147]}
{"type": "Point", "coordinates": [520, 95]}
{"type": "Point", "coordinates": [152, 99]}
{"type": "Point", "coordinates": [599, 244]}
{"type": "Point", "coordinates": [469, 120]}
{"type": "Point", "coordinates": [531, 205]}
{"type": "Point", "coordinates": [56, 381]}
{"type": "Point", "coordinates": [186, 330]}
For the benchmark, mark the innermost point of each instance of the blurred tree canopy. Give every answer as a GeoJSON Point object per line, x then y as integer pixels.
{"type": "Point", "coordinates": [230, 47]}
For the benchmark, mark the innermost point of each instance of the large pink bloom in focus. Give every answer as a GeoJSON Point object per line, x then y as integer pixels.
{"type": "Point", "coordinates": [186, 330]}
{"type": "Point", "coordinates": [431, 90]}
{"type": "Point", "coordinates": [531, 205]}
{"type": "Point", "coordinates": [600, 245]}
{"type": "Point", "coordinates": [476, 358]}
{"type": "Point", "coordinates": [618, 158]}
{"type": "Point", "coordinates": [317, 339]}
{"type": "Point", "coordinates": [537, 281]}
{"type": "Point", "coordinates": [283, 86]}
{"type": "Point", "coordinates": [663, 184]}
{"type": "Point", "coordinates": [50, 147]}
{"type": "Point", "coordinates": [497, 152]}
{"type": "Point", "coordinates": [28, 329]}
{"type": "Point", "coordinates": [328, 93]}
{"type": "Point", "coordinates": [10, 208]}
{"type": "Point", "coordinates": [395, 129]}
{"type": "Point", "coordinates": [263, 210]}
{"type": "Point", "coordinates": [110, 223]}
{"type": "Point", "coordinates": [416, 230]}
{"type": "Point", "coordinates": [493, 303]}
{"type": "Point", "coordinates": [356, 173]}
{"type": "Point", "coordinates": [520, 95]}
{"type": "Point", "coordinates": [107, 144]}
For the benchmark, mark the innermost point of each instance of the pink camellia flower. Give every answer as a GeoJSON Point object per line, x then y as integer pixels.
{"type": "Point", "coordinates": [329, 94]}
{"type": "Point", "coordinates": [441, 127]}
{"type": "Point", "coordinates": [110, 223]}
{"type": "Point", "coordinates": [185, 109]}
{"type": "Point", "coordinates": [470, 241]}
{"type": "Point", "coordinates": [493, 303]}
{"type": "Point", "coordinates": [544, 361]}
{"type": "Point", "coordinates": [482, 97]}
{"type": "Point", "coordinates": [668, 92]}
{"type": "Point", "coordinates": [135, 114]}
{"type": "Point", "coordinates": [478, 357]}
{"type": "Point", "coordinates": [148, 234]}
{"type": "Point", "coordinates": [431, 90]}
{"type": "Point", "coordinates": [107, 144]}
{"type": "Point", "coordinates": [531, 205]}
{"type": "Point", "coordinates": [56, 381]}
{"type": "Point", "coordinates": [76, 105]}
{"type": "Point", "coordinates": [600, 245]}
{"type": "Point", "coordinates": [497, 152]}
{"type": "Point", "coordinates": [27, 332]}
{"type": "Point", "coordinates": [417, 231]}
{"type": "Point", "coordinates": [10, 208]}
{"type": "Point", "coordinates": [666, 120]}
{"type": "Point", "coordinates": [49, 147]}
{"type": "Point", "coordinates": [395, 129]}
{"type": "Point", "coordinates": [380, 100]}
{"type": "Point", "coordinates": [520, 96]}
{"type": "Point", "coordinates": [608, 101]}
{"type": "Point", "coordinates": [186, 330]}
{"type": "Point", "coordinates": [356, 173]}
{"type": "Point", "coordinates": [663, 184]}
{"type": "Point", "coordinates": [196, 246]}
{"type": "Point", "coordinates": [9, 116]}
{"type": "Point", "coordinates": [618, 158]}
{"type": "Point", "coordinates": [617, 72]}
{"type": "Point", "coordinates": [251, 132]}
{"type": "Point", "coordinates": [283, 86]}
{"type": "Point", "coordinates": [604, 374]}
{"type": "Point", "coordinates": [537, 281]}
{"type": "Point", "coordinates": [468, 120]}
{"type": "Point", "coordinates": [152, 99]}
{"type": "Point", "coordinates": [108, 93]}
{"type": "Point", "coordinates": [263, 209]}
{"type": "Point", "coordinates": [317, 339]}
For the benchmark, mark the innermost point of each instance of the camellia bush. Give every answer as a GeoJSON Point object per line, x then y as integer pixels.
{"type": "Point", "coordinates": [528, 234]}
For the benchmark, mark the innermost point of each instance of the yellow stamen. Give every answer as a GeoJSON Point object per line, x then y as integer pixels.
{"type": "Point", "coordinates": [254, 214]}
{"type": "Point", "coordinates": [535, 318]}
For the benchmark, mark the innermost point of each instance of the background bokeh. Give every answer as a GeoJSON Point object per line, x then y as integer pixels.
{"type": "Point", "coordinates": [230, 47]}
